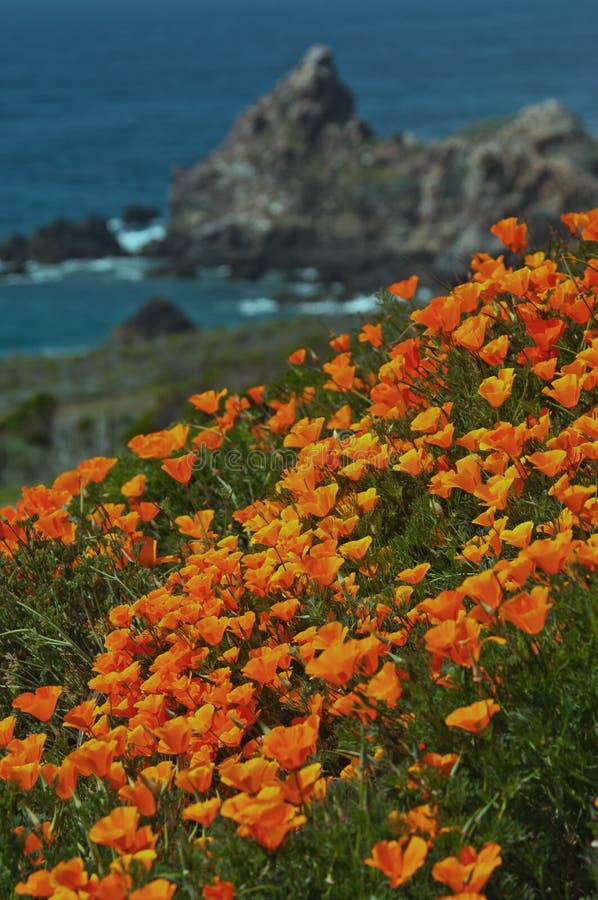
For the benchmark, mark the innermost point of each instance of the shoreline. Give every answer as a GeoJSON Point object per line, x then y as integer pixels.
{"type": "Point", "coordinates": [95, 296]}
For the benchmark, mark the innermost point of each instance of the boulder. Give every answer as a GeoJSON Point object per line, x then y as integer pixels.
{"type": "Point", "coordinates": [156, 318]}
{"type": "Point", "coordinates": [138, 216]}
{"type": "Point", "coordinates": [62, 239]}
{"type": "Point", "coordinates": [301, 182]}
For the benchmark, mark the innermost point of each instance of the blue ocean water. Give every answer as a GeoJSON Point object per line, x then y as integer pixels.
{"type": "Point", "coordinates": [100, 100]}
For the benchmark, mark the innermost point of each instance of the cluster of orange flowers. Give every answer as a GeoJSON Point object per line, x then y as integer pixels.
{"type": "Point", "coordinates": [183, 701]}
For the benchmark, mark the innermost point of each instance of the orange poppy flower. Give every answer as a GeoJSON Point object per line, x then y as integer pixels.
{"type": "Point", "coordinates": [404, 289]}
{"type": "Point", "coordinates": [456, 639]}
{"type": "Point", "coordinates": [474, 718]}
{"type": "Point", "coordinates": [415, 574]}
{"type": "Point", "coordinates": [139, 795]}
{"type": "Point", "coordinates": [427, 421]}
{"type": "Point", "coordinates": [58, 525]}
{"type": "Point", "coordinates": [267, 817]}
{"type": "Point", "coordinates": [318, 502]}
{"type": "Point", "coordinates": [250, 776]}
{"type": "Point", "coordinates": [204, 812]}
{"type": "Point", "coordinates": [549, 463]}
{"type": "Point", "coordinates": [159, 444]}
{"type": "Point", "coordinates": [40, 704]}
{"type": "Point", "coordinates": [545, 369]}
{"type": "Point", "coordinates": [116, 829]}
{"type": "Point", "coordinates": [442, 438]}
{"type": "Point", "coordinates": [497, 388]}
{"type": "Point", "coordinates": [441, 314]}
{"type": "Point", "coordinates": [566, 390]}
{"type": "Point", "coordinates": [512, 233]}
{"type": "Point", "coordinates": [297, 358]}
{"type": "Point", "coordinates": [256, 393]}
{"type": "Point", "coordinates": [180, 467]}
{"type": "Point", "coordinates": [444, 763]}
{"type": "Point", "coordinates": [341, 372]}
{"type": "Point", "coordinates": [550, 555]}
{"type": "Point", "coordinates": [585, 222]}
{"type": "Point", "coordinates": [340, 343]}
{"type": "Point", "coordinates": [414, 462]}
{"type": "Point", "coordinates": [263, 665]}
{"type": "Point", "coordinates": [367, 500]}
{"type": "Point", "coordinates": [385, 685]}
{"type": "Point", "coordinates": [304, 432]}
{"type": "Point", "coordinates": [336, 664]}
{"type": "Point", "coordinates": [7, 727]}
{"type": "Point", "coordinates": [158, 889]}
{"type": "Point", "coordinates": [197, 779]}
{"type": "Point", "coordinates": [371, 334]}
{"type": "Point", "coordinates": [520, 536]}
{"type": "Point", "coordinates": [422, 818]}
{"type": "Point", "coordinates": [299, 785]}
{"type": "Point", "coordinates": [484, 587]}
{"type": "Point", "coordinates": [208, 401]}
{"type": "Point", "coordinates": [284, 416]}
{"type": "Point", "coordinates": [494, 352]}
{"type": "Point", "coordinates": [196, 526]}
{"type": "Point", "coordinates": [208, 438]}
{"type": "Point", "coordinates": [355, 550]}
{"type": "Point", "coordinates": [342, 418]}
{"type": "Point", "coordinates": [291, 746]}
{"type": "Point", "coordinates": [218, 890]}
{"type": "Point", "coordinates": [37, 885]}
{"type": "Point", "coordinates": [397, 861]}
{"type": "Point", "coordinates": [134, 487]}
{"type": "Point", "coordinates": [471, 334]}
{"type": "Point", "coordinates": [174, 736]}
{"type": "Point", "coordinates": [528, 611]}
{"type": "Point", "coordinates": [146, 552]}
{"type": "Point", "coordinates": [469, 871]}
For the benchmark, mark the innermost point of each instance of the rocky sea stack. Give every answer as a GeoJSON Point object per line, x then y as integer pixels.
{"type": "Point", "coordinates": [301, 182]}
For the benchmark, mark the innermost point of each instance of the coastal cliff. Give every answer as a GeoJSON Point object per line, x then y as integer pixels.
{"type": "Point", "coordinates": [302, 182]}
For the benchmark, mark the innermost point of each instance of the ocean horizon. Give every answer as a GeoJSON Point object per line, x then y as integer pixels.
{"type": "Point", "coordinates": [102, 101]}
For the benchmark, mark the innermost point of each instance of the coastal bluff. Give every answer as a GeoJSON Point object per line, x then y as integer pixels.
{"type": "Point", "coordinates": [302, 182]}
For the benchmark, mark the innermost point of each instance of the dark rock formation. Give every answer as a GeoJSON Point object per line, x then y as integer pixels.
{"type": "Point", "coordinates": [301, 182]}
{"type": "Point", "coordinates": [13, 255]}
{"type": "Point", "coordinates": [62, 239]}
{"type": "Point", "coordinates": [138, 216]}
{"type": "Point", "coordinates": [156, 318]}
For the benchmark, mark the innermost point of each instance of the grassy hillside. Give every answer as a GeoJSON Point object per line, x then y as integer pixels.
{"type": "Point", "coordinates": [56, 410]}
{"type": "Point", "coordinates": [329, 638]}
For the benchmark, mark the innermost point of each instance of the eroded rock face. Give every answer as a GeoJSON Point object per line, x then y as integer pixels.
{"type": "Point", "coordinates": [301, 182]}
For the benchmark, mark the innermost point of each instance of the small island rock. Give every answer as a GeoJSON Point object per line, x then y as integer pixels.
{"type": "Point", "coordinates": [156, 318]}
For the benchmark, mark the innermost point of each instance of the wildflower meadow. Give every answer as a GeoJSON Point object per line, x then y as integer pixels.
{"type": "Point", "coordinates": [329, 638]}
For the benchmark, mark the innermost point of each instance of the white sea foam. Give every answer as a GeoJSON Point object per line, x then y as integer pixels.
{"type": "Point", "coordinates": [303, 288]}
{"type": "Point", "coordinates": [363, 304]}
{"type": "Point", "coordinates": [130, 268]}
{"type": "Point", "coordinates": [257, 306]}
{"type": "Point", "coordinates": [42, 274]}
{"type": "Point", "coordinates": [132, 240]}
{"type": "Point", "coordinates": [125, 268]}
{"type": "Point", "coordinates": [319, 307]}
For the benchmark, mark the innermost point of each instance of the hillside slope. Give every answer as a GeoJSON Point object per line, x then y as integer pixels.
{"type": "Point", "coordinates": [332, 638]}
